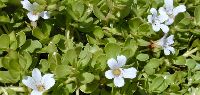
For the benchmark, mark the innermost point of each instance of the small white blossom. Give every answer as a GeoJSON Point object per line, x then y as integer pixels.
{"type": "Point", "coordinates": [119, 73]}
{"type": "Point", "coordinates": [165, 43]}
{"type": "Point", "coordinates": [39, 83]}
{"type": "Point", "coordinates": [33, 15]}
{"type": "Point", "coordinates": [169, 10]}
{"type": "Point", "coordinates": [157, 20]}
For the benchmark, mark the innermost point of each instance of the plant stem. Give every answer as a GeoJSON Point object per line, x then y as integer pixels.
{"type": "Point", "coordinates": [188, 53]}
{"type": "Point", "coordinates": [16, 89]}
{"type": "Point", "coordinates": [77, 91]}
{"type": "Point", "coordinates": [6, 30]}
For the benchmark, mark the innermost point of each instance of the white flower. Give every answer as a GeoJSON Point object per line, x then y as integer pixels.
{"type": "Point", "coordinates": [166, 43]}
{"type": "Point", "coordinates": [157, 20]}
{"type": "Point", "coordinates": [39, 83]}
{"type": "Point", "coordinates": [169, 10]}
{"type": "Point", "coordinates": [119, 73]}
{"type": "Point", "coordinates": [33, 15]}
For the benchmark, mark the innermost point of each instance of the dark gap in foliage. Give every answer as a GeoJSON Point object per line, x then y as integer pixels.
{"type": "Point", "coordinates": [43, 56]}
{"type": "Point", "coordinates": [3, 69]}
{"type": "Point", "coordinates": [78, 36]}
{"type": "Point", "coordinates": [4, 53]}
{"type": "Point", "coordinates": [10, 9]}
{"type": "Point", "coordinates": [171, 70]}
{"type": "Point", "coordinates": [180, 86]}
{"type": "Point", "coordinates": [181, 52]}
{"type": "Point", "coordinates": [195, 85]}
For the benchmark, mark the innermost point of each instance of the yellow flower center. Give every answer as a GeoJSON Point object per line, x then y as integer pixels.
{"type": "Point", "coordinates": [40, 88]}
{"type": "Point", "coordinates": [117, 72]}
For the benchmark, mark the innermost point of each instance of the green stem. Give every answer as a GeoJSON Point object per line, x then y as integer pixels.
{"type": "Point", "coordinates": [182, 30]}
{"type": "Point", "coordinates": [112, 92]}
{"type": "Point", "coordinates": [77, 91]}
{"type": "Point", "coordinates": [6, 30]}
{"type": "Point", "coordinates": [16, 89]}
{"type": "Point", "coordinates": [188, 53]}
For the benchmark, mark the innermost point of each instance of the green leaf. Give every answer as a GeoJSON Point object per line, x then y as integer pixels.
{"type": "Point", "coordinates": [89, 88]}
{"type": "Point", "coordinates": [5, 41]}
{"type": "Point", "coordinates": [149, 70]}
{"type": "Point", "coordinates": [101, 62]}
{"type": "Point", "coordinates": [56, 39]}
{"type": "Point", "coordinates": [112, 50]}
{"type": "Point", "coordinates": [4, 17]}
{"type": "Point", "coordinates": [197, 15]}
{"type": "Point", "coordinates": [142, 57]}
{"type": "Point", "coordinates": [196, 77]}
{"type": "Point", "coordinates": [78, 8]}
{"type": "Point", "coordinates": [21, 38]}
{"type": "Point", "coordinates": [25, 60]}
{"type": "Point", "coordinates": [44, 65]}
{"type": "Point", "coordinates": [42, 32]}
{"type": "Point", "coordinates": [86, 78]}
{"type": "Point", "coordinates": [6, 77]}
{"type": "Point", "coordinates": [144, 28]}
{"type": "Point", "coordinates": [91, 40]}
{"type": "Point", "coordinates": [70, 56]}
{"type": "Point", "coordinates": [37, 33]}
{"type": "Point", "coordinates": [142, 42]}
{"type": "Point", "coordinates": [62, 71]}
{"type": "Point", "coordinates": [54, 59]}
{"type": "Point", "coordinates": [98, 32]}
{"type": "Point", "coordinates": [98, 13]}
{"type": "Point", "coordinates": [134, 23]}
{"type": "Point", "coordinates": [72, 14]}
{"type": "Point", "coordinates": [180, 61]}
{"type": "Point", "coordinates": [13, 41]}
{"type": "Point", "coordinates": [71, 87]}
{"type": "Point", "coordinates": [31, 45]}
{"type": "Point", "coordinates": [2, 5]}
{"type": "Point", "coordinates": [152, 65]}
{"type": "Point", "coordinates": [130, 47]}
{"type": "Point", "coordinates": [191, 63]}
{"type": "Point", "coordinates": [51, 48]}
{"type": "Point", "coordinates": [156, 83]}
{"type": "Point", "coordinates": [162, 87]}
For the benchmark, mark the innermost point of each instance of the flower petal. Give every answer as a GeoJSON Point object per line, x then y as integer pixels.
{"type": "Point", "coordinates": [179, 9]}
{"type": "Point", "coordinates": [36, 74]}
{"type": "Point", "coordinates": [36, 92]}
{"type": "Point", "coordinates": [166, 51]}
{"type": "Point", "coordinates": [153, 11]}
{"type": "Point", "coordinates": [119, 81]}
{"type": "Point", "coordinates": [164, 28]}
{"type": "Point", "coordinates": [170, 40]}
{"type": "Point", "coordinates": [109, 74]}
{"type": "Point", "coordinates": [169, 21]}
{"type": "Point", "coordinates": [45, 15]}
{"type": "Point", "coordinates": [33, 17]}
{"type": "Point", "coordinates": [150, 18]}
{"type": "Point", "coordinates": [48, 81]}
{"type": "Point", "coordinates": [121, 59]}
{"type": "Point", "coordinates": [112, 63]}
{"type": "Point", "coordinates": [162, 11]}
{"type": "Point", "coordinates": [26, 5]}
{"type": "Point", "coordinates": [129, 73]}
{"type": "Point", "coordinates": [162, 18]}
{"type": "Point", "coordinates": [163, 15]}
{"type": "Point", "coordinates": [156, 27]}
{"type": "Point", "coordinates": [169, 4]}
{"type": "Point", "coordinates": [171, 49]}
{"type": "Point", "coordinates": [29, 82]}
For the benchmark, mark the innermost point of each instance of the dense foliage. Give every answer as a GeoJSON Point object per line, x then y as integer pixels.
{"type": "Point", "coordinates": [80, 36]}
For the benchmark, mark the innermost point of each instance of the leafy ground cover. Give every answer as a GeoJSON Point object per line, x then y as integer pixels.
{"type": "Point", "coordinates": [99, 47]}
